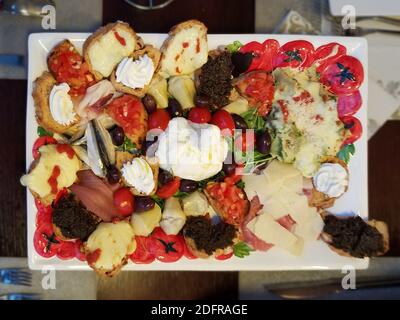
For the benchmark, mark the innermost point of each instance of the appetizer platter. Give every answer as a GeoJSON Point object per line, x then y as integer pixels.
{"type": "Point", "coordinates": [190, 151]}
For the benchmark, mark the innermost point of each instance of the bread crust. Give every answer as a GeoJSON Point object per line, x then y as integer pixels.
{"type": "Point", "coordinates": [101, 32]}
{"type": "Point", "coordinates": [155, 55]}
{"type": "Point", "coordinates": [41, 92]}
{"type": "Point", "coordinates": [175, 30]}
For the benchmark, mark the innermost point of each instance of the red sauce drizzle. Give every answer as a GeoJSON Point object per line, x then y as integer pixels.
{"type": "Point", "coordinates": [92, 257]}
{"type": "Point", "coordinates": [197, 45]}
{"type": "Point", "coordinates": [304, 97]}
{"type": "Point", "coordinates": [67, 149]}
{"type": "Point", "coordinates": [53, 179]}
{"type": "Point", "coordinates": [177, 57]}
{"type": "Point", "coordinates": [120, 39]}
{"type": "Point", "coordinates": [284, 109]}
{"type": "Point", "coordinates": [177, 70]}
{"type": "Point", "coordinates": [185, 44]}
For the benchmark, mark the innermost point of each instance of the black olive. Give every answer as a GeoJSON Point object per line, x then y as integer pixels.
{"type": "Point", "coordinates": [164, 177]}
{"type": "Point", "coordinates": [174, 108]}
{"type": "Point", "coordinates": [241, 62]}
{"type": "Point", "coordinates": [118, 136]}
{"type": "Point", "coordinates": [263, 142]}
{"type": "Point", "coordinates": [149, 147]}
{"type": "Point", "coordinates": [143, 204]}
{"type": "Point", "coordinates": [149, 103]}
{"type": "Point", "coordinates": [239, 122]}
{"type": "Point", "coordinates": [188, 186]}
{"type": "Point", "coordinates": [229, 168]}
{"type": "Point", "coordinates": [201, 101]}
{"type": "Point", "coordinates": [113, 175]}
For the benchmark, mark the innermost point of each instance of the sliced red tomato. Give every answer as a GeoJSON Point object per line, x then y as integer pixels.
{"type": "Point", "coordinates": [79, 251]}
{"type": "Point", "coordinates": [223, 120]}
{"type": "Point", "coordinates": [44, 213]}
{"type": "Point", "coordinates": [258, 88]}
{"type": "Point", "coordinates": [159, 119]}
{"type": "Point", "coordinates": [263, 54]}
{"type": "Point", "coordinates": [348, 105]}
{"type": "Point", "coordinates": [327, 54]}
{"type": "Point", "coordinates": [166, 248]}
{"type": "Point", "coordinates": [130, 114]}
{"type": "Point", "coordinates": [344, 75]}
{"type": "Point", "coordinates": [41, 141]}
{"type": "Point", "coordinates": [66, 250]}
{"type": "Point", "coordinates": [124, 201]}
{"type": "Point", "coordinates": [199, 115]}
{"type": "Point", "coordinates": [141, 255]}
{"type": "Point", "coordinates": [224, 256]}
{"type": "Point", "coordinates": [169, 189]}
{"type": "Point", "coordinates": [188, 253]}
{"type": "Point", "coordinates": [354, 126]}
{"type": "Point", "coordinates": [298, 53]}
{"type": "Point", "coordinates": [45, 241]}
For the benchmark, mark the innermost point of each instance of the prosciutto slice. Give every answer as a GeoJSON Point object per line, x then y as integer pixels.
{"type": "Point", "coordinates": [250, 237]}
{"type": "Point", "coordinates": [96, 195]}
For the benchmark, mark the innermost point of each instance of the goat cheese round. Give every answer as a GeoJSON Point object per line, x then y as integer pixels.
{"type": "Point", "coordinates": [135, 73]}
{"type": "Point", "coordinates": [61, 106]}
{"type": "Point", "coordinates": [331, 179]}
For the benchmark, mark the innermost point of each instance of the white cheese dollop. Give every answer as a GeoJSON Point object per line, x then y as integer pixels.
{"type": "Point", "coordinates": [61, 106]}
{"type": "Point", "coordinates": [135, 73]}
{"type": "Point", "coordinates": [190, 150]}
{"type": "Point", "coordinates": [139, 175]}
{"type": "Point", "coordinates": [331, 179]}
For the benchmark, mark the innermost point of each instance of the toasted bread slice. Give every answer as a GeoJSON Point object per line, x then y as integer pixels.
{"type": "Point", "coordinates": [154, 54]}
{"type": "Point", "coordinates": [193, 249]}
{"type": "Point", "coordinates": [106, 47]}
{"type": "Point", "coordinates": [41, 93]}
{"type": "Point", "coordinates": [185, 50]}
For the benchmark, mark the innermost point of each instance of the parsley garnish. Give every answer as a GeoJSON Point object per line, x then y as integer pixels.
{"type": "Point", "coordinates": [169, 247]}
{"type": "Point", "coordinates": [344, 73]}
{"type": "Point", "coordinates": [128, 146]}
{"type": "Point", "coordinates": [240, 184]}
{"type": "Point", "coordinates": [43, 132]}
{"type": "Point", "coordinates": [345, 153]}
{"type": "Point", "coordinates": [234, 47]}
{"type": "Point", "coordinates": [241, 249]}
{"type": "Point", "coordinates": [293, 56]}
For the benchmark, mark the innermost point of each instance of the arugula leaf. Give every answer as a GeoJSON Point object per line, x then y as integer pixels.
{"type": "Point", "coordinates": [234, 47]}
{"type": "Point", "coordinates": [254, 120]}
{"type": "Point", "coordinates": [345, 153]}
{"type": "Point", "coordinates": [180, 194]}
{"type": "Point", "coordinates": [242, 249]}
{"type": "Point", "coordinates": [160, 202]}
{"type": "Point", "coordinates": [219, 176]}
{"type": "Point", "coordinates": [43, 132]}
{"type": "Point", "coordinates": [240, 184]}
{"type": "Point", "coordinates": [128, 146]}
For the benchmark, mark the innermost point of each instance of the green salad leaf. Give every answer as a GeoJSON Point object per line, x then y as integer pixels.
{"type": "Point", "coordinates": [242, 249]}
{"type": "Point", "coordinates": [234, 47]}
{"type": "Point", "coordinates": [160, 202]}
{"type": "Point", "coordinates": [180, 194]}
{"type": "Point", "coordinates": [240, 184]}
{"type": "Point", "coordinates": [219, 176]}
{"type": "Point", "coordinates": [345, 153]}
{"type": "Point", "coordinates": [254, 120]}
{"type": "Point", "coordinates": [43, 132]}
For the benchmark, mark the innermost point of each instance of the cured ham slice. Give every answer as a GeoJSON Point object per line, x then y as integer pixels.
{"type": "Point", "coordinates": [96, 195]}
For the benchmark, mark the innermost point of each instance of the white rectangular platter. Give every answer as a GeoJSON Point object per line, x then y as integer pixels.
{"type": "Point", "coordinates": [316, 255]}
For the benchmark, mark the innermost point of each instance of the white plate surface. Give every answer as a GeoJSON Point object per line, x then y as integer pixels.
{"type": "Point", "coordinates": [316, 256]}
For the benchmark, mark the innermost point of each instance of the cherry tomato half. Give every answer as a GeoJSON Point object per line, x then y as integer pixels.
{"type": "Point", "coordinates": [348, 105]}
{"type": "Point", "coordinates": [45, 242]}
{"type": "Point", "coordinates": [199, 115]}
{"type": "Point", "coordinates": [298, 53]}
{"type": "Point", "coordinates": [66, 250]}
{"type": "Point", "coordinates": [124, 201]}
{"type": "Point", "coordinates": [224, 256]}
{"type": "Point", "coordinates": [166, 248]}
{"type": "Point", "coordinates": [223, 120]}
{"type": "Point", "coordinates": [41, 141]}
{"type": "Point", "coordinates": [159, 119]}
{"type": "Point", "coordinates": [169, 189]}
{"type": "Point", "coordinates": [141, 255]}
{"type": "Point", "coordinates": [327, 54]}
{"type": "Point", "coordinates": [344, 75]}
{"type": "Point", "coordinates": [354, 125]}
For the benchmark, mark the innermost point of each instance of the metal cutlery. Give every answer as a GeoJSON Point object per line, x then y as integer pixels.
{"type": "Point", "coordinates": [25, 7]}
{"type": "Point", "coordinates": [15, 276]}
{"type": "Point", "coordinates": [20, 296]}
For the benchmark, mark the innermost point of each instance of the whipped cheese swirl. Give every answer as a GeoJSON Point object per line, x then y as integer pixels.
{"type": "Point", "coordinates": [139, 175]}
{"type": "Point", "coordinates": [331, 179]}
{"type": "Point", "coordinates": [135, 73]}
{"type": "Point", "coordinates": [190, 150]}
{"type": "Point", "coordinates": [61, 106]}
